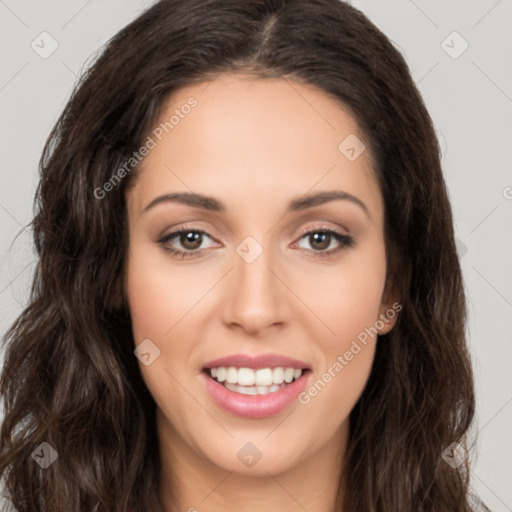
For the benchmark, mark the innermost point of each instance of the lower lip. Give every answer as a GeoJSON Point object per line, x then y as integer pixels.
{"type": "Point", "coordinates": [255, 406]}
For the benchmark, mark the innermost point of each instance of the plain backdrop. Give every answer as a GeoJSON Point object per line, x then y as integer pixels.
{"type": "Point", "coordinates": [459, 55]}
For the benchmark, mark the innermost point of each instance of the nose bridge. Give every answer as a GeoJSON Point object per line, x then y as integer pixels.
{"type": "Point", "coordinates": [255, 298]}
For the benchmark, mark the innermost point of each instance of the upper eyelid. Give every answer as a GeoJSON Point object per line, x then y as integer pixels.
{"type": "Point", "coordinates": [177, 231]}
{"type": "Point", "coordinates": [204, 231]}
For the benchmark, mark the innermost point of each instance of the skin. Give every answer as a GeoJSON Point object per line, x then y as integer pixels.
{"type": "Point", "coordinates": [249, 139]}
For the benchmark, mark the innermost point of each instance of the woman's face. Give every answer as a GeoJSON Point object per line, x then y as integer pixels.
{"type": "Point", "coordinates": [273, 276]}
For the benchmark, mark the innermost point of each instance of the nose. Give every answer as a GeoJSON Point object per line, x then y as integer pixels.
{"type": "Point", "coordinates": [255, 299]}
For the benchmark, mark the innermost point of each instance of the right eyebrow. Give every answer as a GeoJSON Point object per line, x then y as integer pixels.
{"type": "Point", "coordinates": [189, 199]}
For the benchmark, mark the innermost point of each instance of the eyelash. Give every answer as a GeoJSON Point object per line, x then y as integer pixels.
{"type": "Point", "coordinates": [346, 242]}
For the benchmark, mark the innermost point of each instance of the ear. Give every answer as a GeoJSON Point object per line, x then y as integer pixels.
{"type": "Point", "coordinates": [389, 307]}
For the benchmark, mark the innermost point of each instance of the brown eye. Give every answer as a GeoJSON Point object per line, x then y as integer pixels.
{"type": "Point", "coordinates": [191, 240]}
{"type": "Point", "coordinates": [321, 239]}
{"type": "Point", "coordinates": [184, 242]}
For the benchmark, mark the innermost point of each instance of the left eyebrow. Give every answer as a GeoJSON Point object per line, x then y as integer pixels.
{"type": "Point", "coordinates": [211, 204]}
{"type": "Point", "coordinates": [324, 197]}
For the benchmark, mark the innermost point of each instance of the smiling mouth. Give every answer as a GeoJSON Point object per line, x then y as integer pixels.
{"type": "Point", "coordinates": [248, 381]}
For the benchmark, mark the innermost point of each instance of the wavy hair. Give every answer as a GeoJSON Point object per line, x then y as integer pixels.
{"type": "Point", "coordinates": [70, 377]}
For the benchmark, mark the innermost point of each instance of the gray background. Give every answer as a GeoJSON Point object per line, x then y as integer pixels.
{"type": "Point", "coordinates": [469, 96]}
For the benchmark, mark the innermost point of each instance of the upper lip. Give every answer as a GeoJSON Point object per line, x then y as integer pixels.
{"type": "Point", "coordinates": [261, 361]}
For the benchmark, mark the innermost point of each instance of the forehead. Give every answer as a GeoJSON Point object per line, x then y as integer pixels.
{"type": "Point", "coordinates": [247, 138]}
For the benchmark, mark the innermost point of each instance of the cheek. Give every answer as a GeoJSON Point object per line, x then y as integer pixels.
{"type": "Point", "coordinates": [161, 301]}
{"type": "Point", "coordinates": [347, 301]}
{"type": "Point", "coordinates": [346, 298]}
{"type": "Point", "coordinates": [160, 294]}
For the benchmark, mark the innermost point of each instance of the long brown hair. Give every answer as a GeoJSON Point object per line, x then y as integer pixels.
{"type": "Point", "coordinates": [70, 377]}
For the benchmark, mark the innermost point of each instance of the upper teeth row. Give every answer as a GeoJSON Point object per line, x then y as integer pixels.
{"type": "Point", "coordinates": [260, 377]}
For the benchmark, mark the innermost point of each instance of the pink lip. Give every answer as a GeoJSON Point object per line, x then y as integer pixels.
{"type": "Point", "coordinates": [254, 406]}
{"type": "Point", "coordinates": [261, 361]}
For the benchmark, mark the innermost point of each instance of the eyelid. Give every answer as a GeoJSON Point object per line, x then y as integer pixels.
{"type": "Point", "coordinates": [177, 229]}
{"type": "Point", "coordinates": [322, 227]}
{"type": "Point", "coordinates": [162, 239]}
{"type": "Point", "coordinates": [345, 241]}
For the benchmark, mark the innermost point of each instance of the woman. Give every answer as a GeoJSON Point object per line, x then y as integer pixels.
{"type": "Point", "coordinates": [188, 345]}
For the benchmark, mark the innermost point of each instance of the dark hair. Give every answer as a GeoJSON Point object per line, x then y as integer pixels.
{"type": "Point", "coordinates": [70, 376]}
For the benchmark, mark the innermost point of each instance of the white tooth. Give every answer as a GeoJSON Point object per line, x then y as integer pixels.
{"type": "Point", "coordinates": [246, 390]}
{"type": "Point", "coordinates": [221, 374]}
{"type": "Point", "coordinates": [231, 387]}
{"type": "Point", "coordinates": [232, 375]}
{"type": "Point", "coordinates": [263, 390]}
{"type": "Point", "coordinates": [263, 377]}
{"type": "Point", "coordinates": [288, 375]}
{"type": "Point", "coordinates": [274, 387]}
{"type": "Point", "coordinates": [243, 390]}
{"type": "Point", "coordinates": [245, 377]}
{"type": "Point", "coordinates": [278, 376]}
